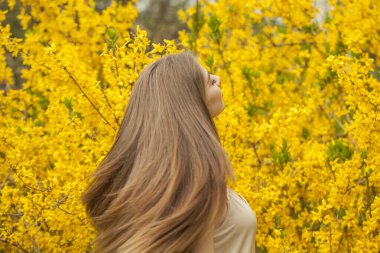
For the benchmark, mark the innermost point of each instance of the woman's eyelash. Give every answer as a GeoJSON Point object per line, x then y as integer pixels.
{"type": "Point", "coordinates": [213, 81]}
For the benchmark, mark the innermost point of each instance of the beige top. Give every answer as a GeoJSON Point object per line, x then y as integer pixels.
{"type": "Point", "coordinates": [237, 233]}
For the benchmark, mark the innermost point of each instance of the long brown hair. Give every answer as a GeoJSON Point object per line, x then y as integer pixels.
{"type": "Point", "coordinates": [163, 184]}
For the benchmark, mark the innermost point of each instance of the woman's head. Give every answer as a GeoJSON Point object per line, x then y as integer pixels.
{"type": "Point", "coordinates": [179, 80]}
{"type": "Point", "coordinates": [163, 183]}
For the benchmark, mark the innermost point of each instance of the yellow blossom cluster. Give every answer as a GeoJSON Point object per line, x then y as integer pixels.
{"type": "Point", "coordinates": [301, 122]}
{"type": "Point", "coordinates": [79, 68]}
{"type": "Point", "coordinates": [301, 85]}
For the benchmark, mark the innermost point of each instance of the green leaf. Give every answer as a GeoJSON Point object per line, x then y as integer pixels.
{"type": "Point", "coordinates": [112, 37]}
{"type": "Point", "coordinates": [210, 62]}
{"type": "Point", "coordinates": [337, 150]}
{"type": "Point", "coordinates": [78, 114]}
{"type": "Point", "coordinates": [328, 19]}
{"type": "Point", "coordinates": [198, 20]}
{"type": "Point", "coordinates": [305, 133]}
{"type": "Point", "coordinates": [338, 129]}
{"type": "Point", "coordinates": [311, 28]}
{"type": "Point", "coordinates": [277, 220]}
{"type": "Point", "coordinates": [281, 29]}
{"type": "Point", "coordinates": [340, 213]}
{"type": "Point", "coordinates": [248, 73]}
{"type": "Point", "coordinates": [284, 155]}
{"type": "Point", "coordinates": [19, 130]}
{"type": "Point", "coordinates": [111, 32]}
{"type": "Point", "coordinates": [363, 154]}
{"type": "Point", "coordinates": [68, 104]}
{"type": "Point", "coordinates": [232, 9]}
{"type": "Point", "coordinates": [280, 78]}
{"type": "Point", "coordinates": [43, 102]}
{"type": "Point", "coordinates": [256, 74]}
{"type": "Point", "coordinates": [251, 109]}
{"type": "Point", "coordinates": [214, 24]}
{"type": "Point", "coordinates": [39, 123]}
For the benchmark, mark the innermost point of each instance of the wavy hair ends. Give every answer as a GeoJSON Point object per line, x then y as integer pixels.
{"type": "Point", "coordinates": [162, 186]}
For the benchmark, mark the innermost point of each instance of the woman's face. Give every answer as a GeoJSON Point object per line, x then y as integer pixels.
{"type": "Point", "coordinates": [214, 98]}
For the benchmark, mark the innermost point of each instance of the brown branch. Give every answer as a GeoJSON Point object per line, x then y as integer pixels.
{"type": "Point", "coordinates": [225, 134]}
{"type": "Point", "coordinates": [31, 58]}
{"type": "Point", "coordinates": [60, 208]}
{"type": "Point", "coordinates": [226, 69]}
{"type": "Point", "coordinates": [4, 181]}
{"type": "Point", "coordinates": [109, 105]}
{"type": "Point", "coordinates": [273, 44]}
{"type": "Point", "coordinates": [368, 195]}
{"type": "Point", "coordinates": [61, 201]}
{"type": "Point", "coordinates": [26, 225]}
{"type": "Point", "coordinates": [196, 25]}
{"type": "Point", "coordinates": [117, 68]}
{"type": "Point", "coordinates": [14, 244]}
{"type": "Point", "coordinates": [25, 184]}
{"type": "Point", "coordinates": [72, 120]}
{"type": "Point", "coordinates": [257, 156]}
{"type": "Point", "coordinates": [330, 240]}
{"type": "Point", "coordinates": [89, 100]}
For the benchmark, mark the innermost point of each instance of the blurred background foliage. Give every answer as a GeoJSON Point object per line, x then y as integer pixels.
{"type": "Point", "coordinates": [301, 123]}
{"type": "Point", "coordinates": [158, 17]}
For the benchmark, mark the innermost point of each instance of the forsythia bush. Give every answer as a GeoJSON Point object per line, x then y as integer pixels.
{"type": "Point", "coordinates": [80, 68]}
{"type": "Point", "coordinates": [301, 123]}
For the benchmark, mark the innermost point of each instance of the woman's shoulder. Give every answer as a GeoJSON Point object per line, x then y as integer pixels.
{"type": "Point", "coordinates": [239, 211]}
{"type": "Point", "coordinates": [238, 231]}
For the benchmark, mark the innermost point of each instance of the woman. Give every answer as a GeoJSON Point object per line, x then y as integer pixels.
{"type": "Point", "coordinates": [162, 186]}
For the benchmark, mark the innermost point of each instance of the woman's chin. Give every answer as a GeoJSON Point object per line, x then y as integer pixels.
{"type": "Point", "coordinates": [223, 105]}
{"type": "Point", "coordinates": [221, 109]}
